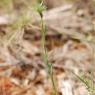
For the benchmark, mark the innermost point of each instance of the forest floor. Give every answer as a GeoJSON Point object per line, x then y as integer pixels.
{"type": "Point", "coordinates": [70, 45]}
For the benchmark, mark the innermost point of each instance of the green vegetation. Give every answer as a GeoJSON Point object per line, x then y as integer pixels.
{"type": "Point", "coordinates": [88, 83]}
{"type": "Point", "coordinates": [40, 8]}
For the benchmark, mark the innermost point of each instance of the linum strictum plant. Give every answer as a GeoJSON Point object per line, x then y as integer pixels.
{"type": "Point", "coordinates": [49, 68]}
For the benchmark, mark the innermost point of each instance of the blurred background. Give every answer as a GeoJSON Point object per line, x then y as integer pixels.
{"type": "Point", "coordinates": [70, 44]}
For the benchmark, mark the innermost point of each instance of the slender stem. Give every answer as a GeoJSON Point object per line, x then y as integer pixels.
{"type": "Point", "coordinates": [53, 82]}
{"type": "Point", "coordinates": [45, 57]}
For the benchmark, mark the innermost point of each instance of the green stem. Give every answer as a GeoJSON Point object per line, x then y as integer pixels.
{"type": "Point", "coordinates": [45, 57]}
